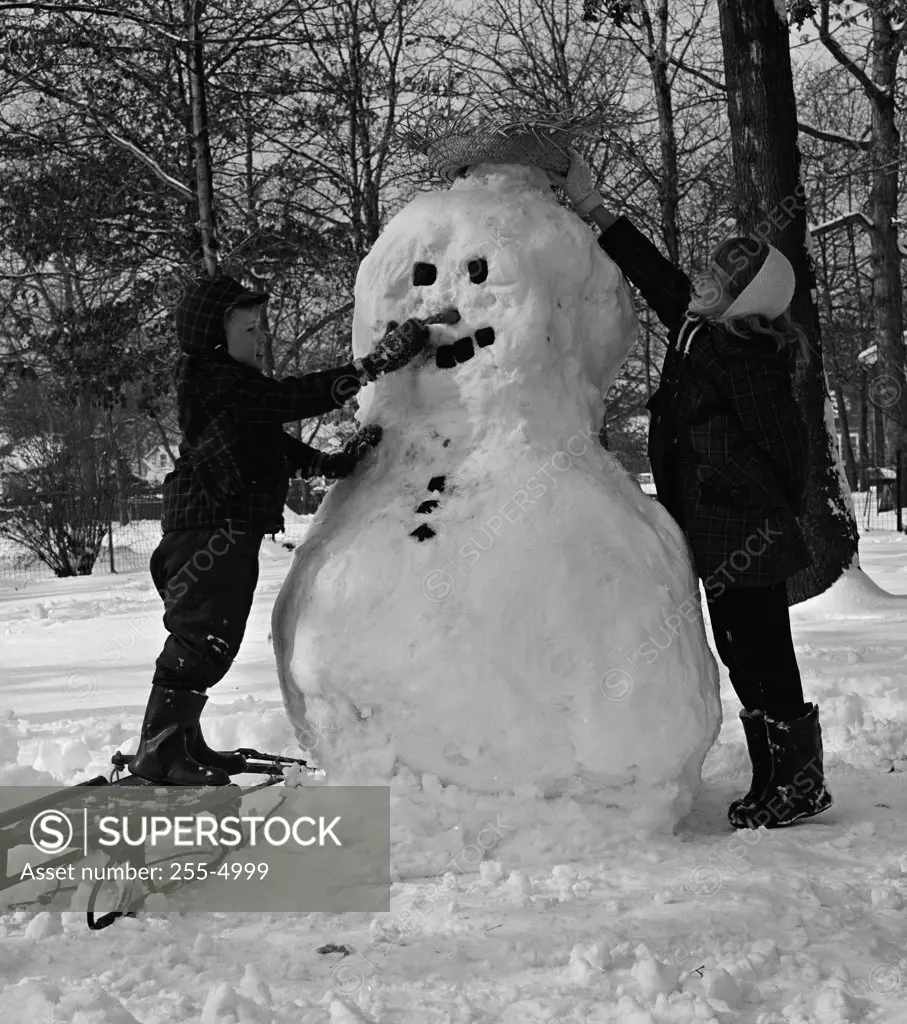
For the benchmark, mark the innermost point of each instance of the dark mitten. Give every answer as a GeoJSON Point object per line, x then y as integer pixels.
{"type": "Point", "coordinates": [341, 464]}
{"type": "Point", "coordinates": [361, 443]}
{"type": "Point", "coordinates": [335, 467]}
{"type": "Point", "coordinates": [398, 346]}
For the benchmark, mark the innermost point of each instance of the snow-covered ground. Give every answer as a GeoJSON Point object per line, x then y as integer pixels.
{"type": "Point", "coordinates": [806, 925]}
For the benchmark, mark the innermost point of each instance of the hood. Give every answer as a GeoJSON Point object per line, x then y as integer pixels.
{"type": "Point", "coordinates": [200, 313]}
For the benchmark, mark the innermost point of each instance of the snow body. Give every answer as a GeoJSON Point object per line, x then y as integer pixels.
{"type": "Point", "coordinates": [549, 633]}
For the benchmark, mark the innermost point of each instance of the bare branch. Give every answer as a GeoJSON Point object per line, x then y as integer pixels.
{"type": "Point", "coordinates": [841, 140]}
{"type": "Point", "coordinates": [148, 161]}
{"type": "Point", "coordinates": [99, 12]}
{"type": "Point", "coordinates": [313, 329]}
{"type": "Point", "coordinates": [835, 49]}
{"type": "Point", "coordinates": [697, 73]}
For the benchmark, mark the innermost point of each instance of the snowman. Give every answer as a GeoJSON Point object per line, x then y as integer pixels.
{"type": "Point", "coordinates": [490, 602]}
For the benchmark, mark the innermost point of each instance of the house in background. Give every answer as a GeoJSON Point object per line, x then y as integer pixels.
{"type": "Point", "coordinates": [156, 465]}
{"type": "Point", "coordinates": [866, 401]}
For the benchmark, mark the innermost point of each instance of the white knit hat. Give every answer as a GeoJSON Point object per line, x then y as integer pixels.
{"type": "Point", "coordinates": [769, 293]}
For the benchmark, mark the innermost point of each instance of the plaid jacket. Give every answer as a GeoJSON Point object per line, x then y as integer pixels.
{"type": "Point", "coordinates": [726, 439]}
{"type": "Point", "coordinates": [235, 459]}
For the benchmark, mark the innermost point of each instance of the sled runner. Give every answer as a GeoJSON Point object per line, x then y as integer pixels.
{"type": "Point", "coordinates": [15, 825]}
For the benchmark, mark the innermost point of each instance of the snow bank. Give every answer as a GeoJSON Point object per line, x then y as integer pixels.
{"type": "Point", "coordinates": [854, 595]}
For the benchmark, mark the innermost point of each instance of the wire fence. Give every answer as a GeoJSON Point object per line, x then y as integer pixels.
{"type": "Point", "coordinates": [875, 510]}
{"type": "Point", "coordinates": [127, 544]}
{"type": "Point", "coordinates": [129, 541]}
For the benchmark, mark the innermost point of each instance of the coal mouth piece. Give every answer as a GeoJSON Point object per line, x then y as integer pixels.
{"type": "Point", "coordinates": [462, 350]}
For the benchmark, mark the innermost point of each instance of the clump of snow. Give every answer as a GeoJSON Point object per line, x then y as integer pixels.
{"type": "Point", "coordinates": [80, 1002]}
{"type": "Point", "coordinates": [654, 977]}
{"type": "Point", "coordinates": [245, 722]}
{"type": "Point", "coordinates": [254, 987]}
{"type": "Point", "coordinates": [225, 1005]}
{"type": "Point", "coordinates": [62, 757]}
{"type": "Point", "coordinates": [546, 639]}
{"type": "Point", "coordinates": [43, 926]}
{"type": "Point", "coordinates": [345, 1012]}
{"type": "Point", "coordinates": [12, 772]}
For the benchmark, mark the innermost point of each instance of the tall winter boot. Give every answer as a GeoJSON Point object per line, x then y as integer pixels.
{"type": "Point", "coordinates": [225, 760]}
{"type": "Point", "coordinates": [162, 755]}
{"type": "Point", "coordinates": [796, 789]}
{"type": "Point", "coordinates": [760, 758]}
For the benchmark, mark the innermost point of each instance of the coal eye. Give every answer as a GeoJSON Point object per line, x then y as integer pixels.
{"type": "Point", "coordinates": [424, 273]}
{"type": "Point", "coordinates": [477, 270]}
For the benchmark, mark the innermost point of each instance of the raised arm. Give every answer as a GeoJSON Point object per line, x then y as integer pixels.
{"type": "Point", "coordinates": [258, 399]}
{"type": "Point", "coordinates": [664, 287]}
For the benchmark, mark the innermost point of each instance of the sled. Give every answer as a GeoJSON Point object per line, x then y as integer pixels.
{"type": "Point", "coordinates": [15, 824]}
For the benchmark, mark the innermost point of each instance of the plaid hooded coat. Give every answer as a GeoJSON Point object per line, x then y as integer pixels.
{"type": "Point", "coordinates": [727, 443]}
{"type": "Point", "coordinates": [235, 461]}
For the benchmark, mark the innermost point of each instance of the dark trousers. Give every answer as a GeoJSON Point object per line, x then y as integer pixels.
{"type": "Point", "coordinates": [206, 578]}
{"type": "Point", "coordinates": [753, 637]}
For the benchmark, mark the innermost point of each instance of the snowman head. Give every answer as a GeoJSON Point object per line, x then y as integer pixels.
{"type": "Point", "coordinates": [545, 317]}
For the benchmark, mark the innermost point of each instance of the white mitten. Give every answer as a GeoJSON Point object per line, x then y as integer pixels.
{"type": "Point", "coordinates": [578, 185]}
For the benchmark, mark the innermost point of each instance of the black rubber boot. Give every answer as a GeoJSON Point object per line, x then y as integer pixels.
{"type": "Point", "coordinates": [226, 760]}
{"type": "Point", "coordinates": [796, 789]}
{"type": "Point", "coordinates": [761, 760]}
{"type": "Point", "coordinates": [162, 755]}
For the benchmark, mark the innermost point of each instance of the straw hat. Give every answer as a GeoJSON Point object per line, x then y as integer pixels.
{"type": "Point", "coordinates": [453, 142]}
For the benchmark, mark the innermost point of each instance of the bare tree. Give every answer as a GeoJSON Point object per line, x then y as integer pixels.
{"type": "Point", "coordinates": [662, 32]}
{"type": "Point", "coordinates": [877, 76]}
{"type": "Point", "coordinates": [837, 181]}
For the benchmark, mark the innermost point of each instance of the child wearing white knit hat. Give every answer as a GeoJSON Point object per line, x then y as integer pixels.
{"type": "Point", "coordinates": [747, 278]}
{"type": "Point", "coordinates": [729, 452]}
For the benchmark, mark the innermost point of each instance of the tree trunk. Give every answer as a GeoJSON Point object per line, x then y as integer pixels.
{"type": "Point", "coordinates": [864, 429]}
{"type": "Point", "coordinates": [80, 431]}
{"type": "Point", "coordinates": [840, 401]}
{"type": "Point", "coordinates": [889, 387]}
{"type": "Point", "coordinates": [879, 453]}
{"type": "Point", "coordinates": [771, 205]}
{"type": "Point", "coordinates": [668, 184]}
{"type": "Point", "coordinates": [120, 471]}
{"type": "Point", "coordinates": [850, 467]}
{"type": "Point", "coordinates": [194, 9]}
{"type": "Point", "coordinates": [193, 239]}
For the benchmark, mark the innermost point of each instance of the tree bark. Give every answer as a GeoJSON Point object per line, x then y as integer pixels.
{"type": "Point", "coordinates": [888, 296]}
{"type": "Point", "coordinates": [850, 466]}
{"type": "Point", "coordinates": [771, 205]}
{"type": "Point", "coordinates": [840, 400]}
{"type": "Point", "coordinates": [668, 183]}
{"type": "Point", "coordinates": [864, 429]}
{"type": "Point", "coordinates": [888, 389]}
{"type": "Point", "coordinates": [194, 10]}
{"type": "Point", "coordinates": [120, 471]}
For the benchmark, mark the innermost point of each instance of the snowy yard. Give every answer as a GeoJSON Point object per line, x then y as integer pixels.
{"type": "Point", "coordinates": [806, 925]}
